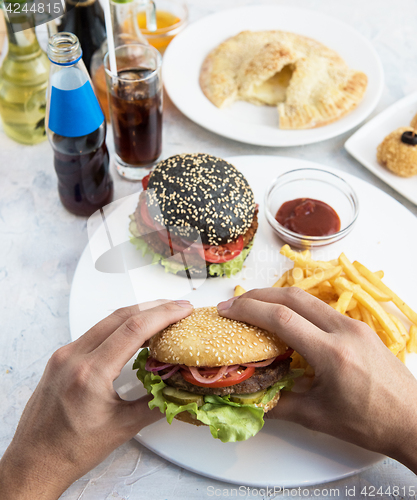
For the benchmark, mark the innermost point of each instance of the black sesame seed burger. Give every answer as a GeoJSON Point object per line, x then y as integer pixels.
{"type": "Point", "coordinates": [210, 370]}
{"type": "Point", "coordinates": [197, 216]}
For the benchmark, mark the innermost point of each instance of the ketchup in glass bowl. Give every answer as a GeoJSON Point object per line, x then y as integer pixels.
{"type": "Point", "coordinates": [310, 207]}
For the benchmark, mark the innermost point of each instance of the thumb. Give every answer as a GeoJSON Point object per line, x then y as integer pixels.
{"type": "Point", "coordinates": [139, 415]}
{"type": "Point", "coordinates": [291, 406]}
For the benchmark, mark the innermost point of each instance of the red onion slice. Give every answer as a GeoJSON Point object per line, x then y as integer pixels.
{"type": "Point", "coordinates": [260, 364]}
{"type": "Point", "coordinates": [171, 372]}
{"type": "Point", "coordinates": [204, 380]}
{"type": "Point", "coordinates": [150, 368]}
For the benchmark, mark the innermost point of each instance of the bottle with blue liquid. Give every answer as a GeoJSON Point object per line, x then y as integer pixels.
{"type": "Point", "coordinates": [76, 129]}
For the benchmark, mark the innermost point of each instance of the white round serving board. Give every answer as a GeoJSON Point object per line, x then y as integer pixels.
{"type": "Point", "coordinates": [282, 453]}
{"type": "Point", "coordinates": [247, 122]}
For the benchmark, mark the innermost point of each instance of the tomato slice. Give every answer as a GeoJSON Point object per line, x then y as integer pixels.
{"type": "Point", "coordinates": [286, 355]}
{"type": "Point", "coordinates": [210, 253]}
{"type": "Point", "coordinates": [231, 379]}
{"type": "Point", "coordinates": [145, 215]}
{"type": "Point", "coordinates": [223, 253]}
{"type": "Point", "coordinates": [145, 182]}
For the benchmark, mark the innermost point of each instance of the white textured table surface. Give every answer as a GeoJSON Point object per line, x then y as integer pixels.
{"type": "Point", "coordinates": [40, 244]}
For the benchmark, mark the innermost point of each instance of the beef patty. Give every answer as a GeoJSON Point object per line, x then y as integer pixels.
{"type": "Point", "coordinates": [261, 379]}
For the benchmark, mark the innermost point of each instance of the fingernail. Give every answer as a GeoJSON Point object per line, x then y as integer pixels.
{"type": "Point", "coordinates": [183, 303]}
{"type": "Point", "coordinates": [226, 305]}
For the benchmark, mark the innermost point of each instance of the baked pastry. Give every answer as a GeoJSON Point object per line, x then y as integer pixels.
{"type": "Point", "coordinates": [310, 83]}
{"type": "Point", "coordinates": [398, 152]}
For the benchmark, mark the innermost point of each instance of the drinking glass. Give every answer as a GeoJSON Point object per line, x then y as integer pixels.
{"type": "Point", "coordinates": [135, 101]}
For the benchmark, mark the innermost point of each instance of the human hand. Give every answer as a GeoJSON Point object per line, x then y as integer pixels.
{"type": "Point", "coordinates": [361, 392]}
{"type": "Point", "coordinates": [75, 419]}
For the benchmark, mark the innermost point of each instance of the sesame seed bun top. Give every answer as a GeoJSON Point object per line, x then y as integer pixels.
{"type": "Point", "coordinates": [202, 192]}
{"type": "Point", "coordinates": [207, 339]}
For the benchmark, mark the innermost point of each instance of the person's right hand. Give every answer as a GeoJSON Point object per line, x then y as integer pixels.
{"type": "Point", "coordinates": [361, 392]}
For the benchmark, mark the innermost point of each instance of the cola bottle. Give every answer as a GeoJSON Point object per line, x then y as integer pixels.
{"type": "Point", "coordinates": [76, 129]}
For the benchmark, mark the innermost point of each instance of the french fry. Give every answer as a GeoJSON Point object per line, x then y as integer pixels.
{"type": "Point", "coordinates": [354, 275]}
{"type": "Point", "coordinates": [333, 262]}
{"type": "Point", "coordinates": [306, 253]}
{"type": "Point", "coordinates": [352, 304]}
{"type": "Point", "coordinates": [238, 291]}
{"type": "Point", "coordinates": [315, 291]}
{"type": "Point", "coordinates": [301, 260]}
{"type": "Point", "coordinates": [372, 305]}
{"type": "Point", "coordinates": [402, 306]}
{"type": "Point", "coordinates": [355, 313]}
{"type": "Point", "coordinates": [379, 274]}
{"type": "Point", "coordinates": [296, 360]}
{"type": "Point", "coordinates": [401, 355]}
{"type": "Point", "coordinates": [401, 328]}
{"type": "Point", "coordinates": [343, 301]}
{"type": "Point", "coordinates": [367, 317]}
{"type": "Point", "coordinates": [318, 278]}
{"type": "Point", "coordinates": [281, 281]}
{"type": "Point", "coordinates": [386, 339]}
{"type": "Point", "coordinates": [327, 291]}
{"type": "Point", "coordinates": [412, 341]}
{"type": "Point", "coordinates": [297, 274]}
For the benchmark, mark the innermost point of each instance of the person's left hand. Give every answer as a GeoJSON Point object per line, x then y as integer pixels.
{"type": "Point", "coordinates": [75, 419]}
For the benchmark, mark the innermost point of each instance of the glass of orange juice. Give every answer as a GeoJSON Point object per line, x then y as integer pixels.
{"type": "Point", "coordinates": [171, 19]}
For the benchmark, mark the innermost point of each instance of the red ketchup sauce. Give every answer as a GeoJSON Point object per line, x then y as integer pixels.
{"type": "Point", "coordinates": [308, 217]}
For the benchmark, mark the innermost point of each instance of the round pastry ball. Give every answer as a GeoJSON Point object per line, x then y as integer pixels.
{"type": "Point", "coordinates": [397, 156]}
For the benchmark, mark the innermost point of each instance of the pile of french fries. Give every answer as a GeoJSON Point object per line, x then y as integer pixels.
{"type": "Point", "coordinates": [355, 291]}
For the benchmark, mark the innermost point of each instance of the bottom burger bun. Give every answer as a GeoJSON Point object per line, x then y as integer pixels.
{"type": "Point", "coordinates": [214, 371]}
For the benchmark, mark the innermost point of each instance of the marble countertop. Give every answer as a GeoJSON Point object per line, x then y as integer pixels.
{"type": "Point", "coordinates": [40, 244]}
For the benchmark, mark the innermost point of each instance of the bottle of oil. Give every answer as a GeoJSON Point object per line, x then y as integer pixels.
{"type": "Point", "coordinates": [23, 82]}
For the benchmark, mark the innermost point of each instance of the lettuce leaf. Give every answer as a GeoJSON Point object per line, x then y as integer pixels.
{"type": "Point", "coordinates": [228, 421]}
{"type": "Point", "coordinates": [231, 267]}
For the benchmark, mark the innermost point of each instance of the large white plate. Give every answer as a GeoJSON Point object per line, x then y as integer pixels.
{"type": "Point", "coordinates": [283, 454]}
{"type": "Point", "coordinates": [363, 143]}
{"type": "Point", "coordinates": [246, 122]}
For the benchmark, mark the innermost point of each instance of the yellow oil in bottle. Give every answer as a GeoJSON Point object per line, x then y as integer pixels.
{"type": "Point", "coordinates": [23, 83]}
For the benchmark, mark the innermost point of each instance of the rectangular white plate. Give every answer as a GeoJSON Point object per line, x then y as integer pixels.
{"type": "Point", "coordinates": [363, 143]}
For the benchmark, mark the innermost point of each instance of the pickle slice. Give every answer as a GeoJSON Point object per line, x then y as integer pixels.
{"type": "Point", "coordinates": [182, 397]}
{"type": "Point", "coordinates": [248, 399]}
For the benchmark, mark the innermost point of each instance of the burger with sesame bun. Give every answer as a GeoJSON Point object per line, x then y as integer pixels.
{"type": "Point", "coordinates": [210, 370]}
{"type": "Point", "coordinates": [196, 215]}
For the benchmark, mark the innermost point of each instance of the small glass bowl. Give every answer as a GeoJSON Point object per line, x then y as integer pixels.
{"type": "Point", "coordinates": [161, 38]}
{"type": "Point", "coordinates": [317, 185]}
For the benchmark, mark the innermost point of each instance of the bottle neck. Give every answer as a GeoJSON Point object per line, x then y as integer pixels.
{"type": "Point", "coordinates": [23, 43]}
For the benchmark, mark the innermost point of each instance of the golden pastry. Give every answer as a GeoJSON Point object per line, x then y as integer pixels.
{"type": "Point", "coordinates": [398, 152]}
{"type": "Point", "coordinates": [414, 122]}
{"type": "Point", "coordinates": [310, 83]}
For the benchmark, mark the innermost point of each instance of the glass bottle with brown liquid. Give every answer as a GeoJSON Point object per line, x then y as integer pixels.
{"type": "Point", "coordinates": [85, 19]}
{"type": "Point", "coordinates": [76, 130]}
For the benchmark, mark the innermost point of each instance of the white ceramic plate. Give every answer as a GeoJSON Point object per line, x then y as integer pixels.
{"type": "Point", "coordinates": [363, 143]}
{"type": "Point", "coordinates": [283, 454]}
{"type": "Point", "coordinates": [246, 122]}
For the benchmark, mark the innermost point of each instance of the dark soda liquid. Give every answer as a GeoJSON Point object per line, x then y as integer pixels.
{"type": "Point", "coordinates": [84, 182]}
{"type": "Point", "coordinates": [136, 116]}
